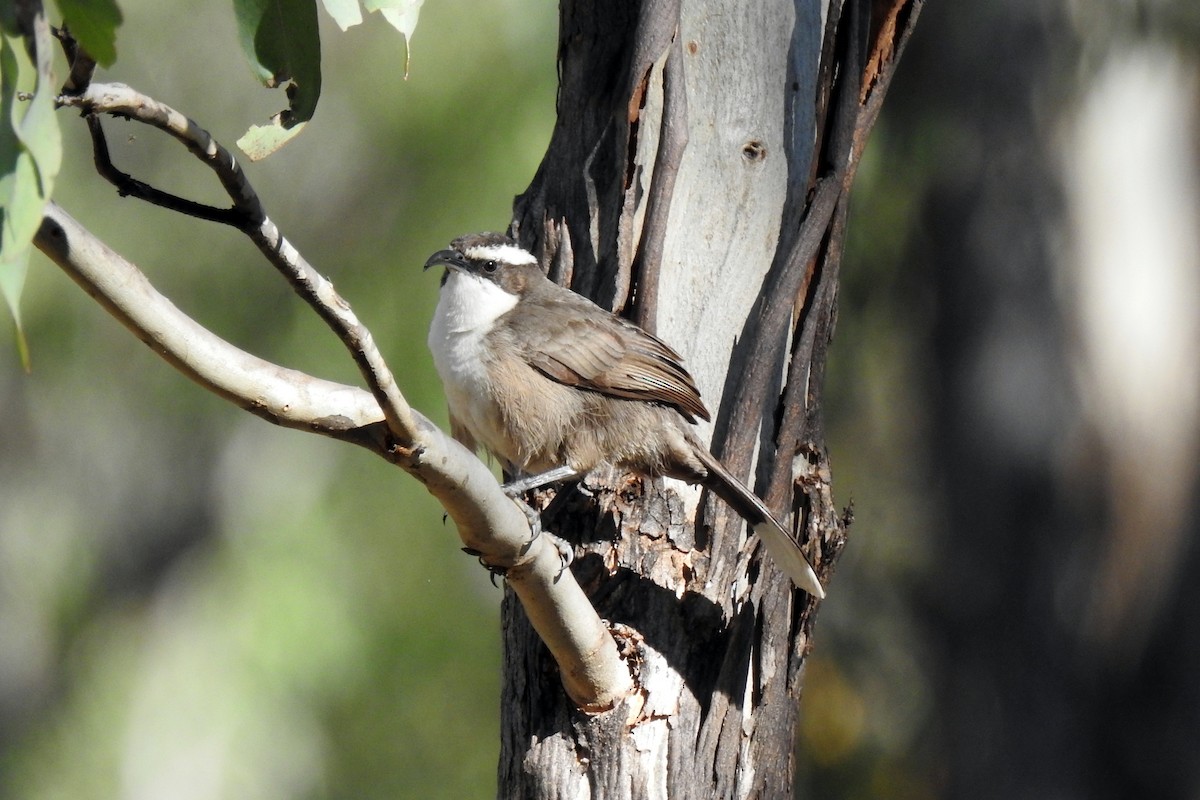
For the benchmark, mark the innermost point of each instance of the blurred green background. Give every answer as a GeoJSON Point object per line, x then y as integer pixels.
{"type": "Point", "coordinates": [195, 604]}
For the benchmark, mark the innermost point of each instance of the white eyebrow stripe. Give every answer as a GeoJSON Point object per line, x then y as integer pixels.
{"type": "Point", "coordinates": [505, 253]}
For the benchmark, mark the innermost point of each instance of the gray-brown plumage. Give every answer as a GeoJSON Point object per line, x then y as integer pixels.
{"type": "Point", "coordinates": [544, 378]}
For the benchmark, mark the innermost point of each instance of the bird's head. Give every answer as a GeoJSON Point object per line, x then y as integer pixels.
{"type": "Point", "coordinates": [490, 258]}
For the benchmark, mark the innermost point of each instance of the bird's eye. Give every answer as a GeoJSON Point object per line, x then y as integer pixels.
{"type": "Point", "coordinates": [490, 266]}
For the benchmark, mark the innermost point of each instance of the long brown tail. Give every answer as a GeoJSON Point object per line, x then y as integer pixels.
{"type": "Point", "coordinates": [782, 547]}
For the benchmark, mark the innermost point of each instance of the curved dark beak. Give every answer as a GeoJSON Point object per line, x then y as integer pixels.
{"type": "Point", "coordinates": [447, 258]}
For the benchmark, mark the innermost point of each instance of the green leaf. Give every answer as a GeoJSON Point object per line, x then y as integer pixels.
{"type": "Point", "coordinates": [262, 140]}
{"type": "Point", "coordinates": [38, 132]}
{"type": "Point", "coordinates": [402, 15]}
{"type": "Point", "coordinates": [30, 157]}
{"type": "Point", "coordinates": [344, 12]}
{"type": "Point", "coordinates": [8, 18]}
{"type": "Point", "coordinates": [93, 23]}
{"type": "Point", "coordinates": [281, 40]}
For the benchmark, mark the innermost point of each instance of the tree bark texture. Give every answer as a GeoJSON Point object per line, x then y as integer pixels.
{"type": "Point", "coordinates": [696, 182]}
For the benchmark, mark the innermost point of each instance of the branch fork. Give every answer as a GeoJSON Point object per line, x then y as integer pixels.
{"type": "Point", "coordinates": [593, 672]}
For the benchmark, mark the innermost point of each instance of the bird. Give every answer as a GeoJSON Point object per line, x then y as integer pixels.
{"type": "Point", "coordinates": [552, 385]}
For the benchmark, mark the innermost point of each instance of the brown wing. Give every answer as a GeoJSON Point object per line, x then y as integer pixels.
{"type": "Point", "coordinates": [594, 350]}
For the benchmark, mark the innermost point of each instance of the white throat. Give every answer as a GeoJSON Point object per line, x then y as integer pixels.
{"type": "Point", "coordinates": [467, 309]}
{"type": "Point", "coordinates": [468, 303]}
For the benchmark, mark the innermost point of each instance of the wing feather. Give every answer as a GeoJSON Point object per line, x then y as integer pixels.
{"type": "Point", "coordinates": [582, 347]}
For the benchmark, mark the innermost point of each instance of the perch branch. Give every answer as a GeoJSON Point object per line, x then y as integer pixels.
{"type": "Point", "coordinates": [488, 522]}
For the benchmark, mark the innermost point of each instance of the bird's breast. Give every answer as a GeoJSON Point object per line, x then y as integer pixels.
{"type": "Point", "coordinates": [466, 314]}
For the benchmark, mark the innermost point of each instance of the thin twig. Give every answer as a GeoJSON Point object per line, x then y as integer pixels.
{"type": "Point", "coordinates": [119, 100]}
{"type": "Point", "coordinates": [83, 66]}
{"type": "Point", "coordinates": [250, 217]}
{"type": "Point", "coordinates": [128, 186]}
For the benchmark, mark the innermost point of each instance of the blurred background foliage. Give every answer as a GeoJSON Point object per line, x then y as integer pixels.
{"type": "Point", "coordinates": [197, 604]}
{"type": "Point", "coordinates": [1014, 398]}
{"type": "Point", "coordinates": [194, 604]}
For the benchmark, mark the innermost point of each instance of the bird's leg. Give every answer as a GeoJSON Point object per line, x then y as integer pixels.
{"type": "Point", "coordinates": [520, 486]}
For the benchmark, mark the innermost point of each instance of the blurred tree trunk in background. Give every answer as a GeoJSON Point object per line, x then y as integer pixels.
{"type": "Point", "coordinates": [1059, 630]}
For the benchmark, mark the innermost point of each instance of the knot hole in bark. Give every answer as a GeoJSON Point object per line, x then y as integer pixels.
{"type": "Point", "coordinates": [754, 151]}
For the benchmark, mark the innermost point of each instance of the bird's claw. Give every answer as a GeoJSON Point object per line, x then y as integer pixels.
{"type": "Point", "coordinates": [566, 553]}
{"type": "Point", "coordinates": [533, 515]}
{"type": "Point", "coordinates": [493, 571]}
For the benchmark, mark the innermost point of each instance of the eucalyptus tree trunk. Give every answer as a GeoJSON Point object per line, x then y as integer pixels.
{"type": "Point", "coordinates": [696, 182]}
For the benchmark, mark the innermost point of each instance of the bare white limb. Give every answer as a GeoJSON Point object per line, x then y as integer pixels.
{"type": "Point", "coordinates": [283, 396]}
{"type": "Point", "coordinates": [488, 522]}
